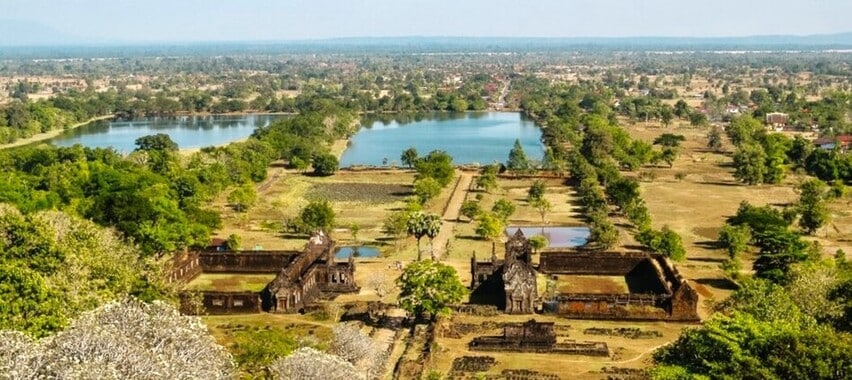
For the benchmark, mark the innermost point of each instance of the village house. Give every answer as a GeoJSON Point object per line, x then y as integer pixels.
{"type": "Point", "coordinates": [843, 142]}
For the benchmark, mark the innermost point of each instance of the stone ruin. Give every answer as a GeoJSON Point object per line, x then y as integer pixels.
{"type": "Point", "coordinates": [532, 336]}
{"type": "Point", "coordinates": [511, 283]}
{"type": "Point", "coordinates": [656, 290]}
{"type": "Point", "coordinates": [301, 278]}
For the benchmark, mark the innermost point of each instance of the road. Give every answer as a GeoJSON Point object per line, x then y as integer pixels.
{"type": "Point", "coordinates": [451, 216]}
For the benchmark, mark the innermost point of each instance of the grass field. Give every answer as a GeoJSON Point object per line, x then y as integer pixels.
{"type": "Point", "coordinates": [697, 205]}
{"type": "Point", "coordinates": [591, 284]}
{"type": "Point", "coordinates": [230, 282]}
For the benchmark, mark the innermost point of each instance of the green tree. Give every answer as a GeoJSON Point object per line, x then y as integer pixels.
{"type": "Point", "coordinates": [317, 215]}
{"type": "Point", "coordinates": [714, 139]}
{"type": "Point", "coordinates": [812, 209]}
{"type": "Point", "coordinates": [669, 155]}
{"type": "Point", "coordinates": [29, 303]}
{"type": "Point", "coordinates": [470, 209]}
{"type": "Point", "coordinates": [666, 115]}
{"type": "Point", "coordinates": [603, 233]}
{"type": "Point", "coordinates": [536, 191]}
{"type": "Point", "coordinates": [623, 192]}
{"type": "Point", "coordinates": [325, 164]}
{"type": "Point", "coordinates": [160, 142]}
{"type": "Point", "coordinates": [741, 346]}
{"type": "Point", "coordinates": [490, 227]}
{"type": "Point", "coordinates": [488, 179]}
{"type": "Point", "coordinates": [426, 189]}
{"type": "Point", "coordinates": [681, 109]}
{"type": "Point", "coordinates": [429, 287]}
{"type": "Point", "coordinates": [518, 161]}
{"type": "Point", "coordinates": [409, 157]}
{"type": "Point", "coordinates": [750, 164]}
{"type": "Point", "coordinates": [669, 139]}
{"type": "Point", "coordinates": [538, 242]}
{"type": "Point", "coordinates": [735, 239]}
{"type": "Point", "coordinates": [420, 224]}
{"type": "Point", "coordinates": [744, 129]}
{"type": "Point", "coordinates": [503, 209]}
{"type": "Point", "coordinates": [543, 206]}
{"type": "Point", "coordinates": [438, 165]}
{"type": "Point", "coordinates": [459, 105]}
{"type": "Point", "coordinates": [697, 119]}
{"type": "Point", "coordinates": [664, 241]}
{"type": "Point", "coordinates": [779, 249]}
{"type": "Point", "coordinates": [243, 197]}
{"type": "Point", "coordinates": [638, 214]}
{"type": "Point", "coordinates": [395, 225]}
{"type": "Point", "coordinates": [233, 242]}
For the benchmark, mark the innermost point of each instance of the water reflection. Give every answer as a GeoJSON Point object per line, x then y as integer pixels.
{"type": "Point", "coordinates": [470, 137]}
{"type": "Point", "coordinates": [186, 131]}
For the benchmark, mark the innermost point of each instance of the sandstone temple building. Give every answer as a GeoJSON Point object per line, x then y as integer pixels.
{"type": "Point", "coordinates": [583, 284]}
{"type": "Point", "coordinates": [301, 277]}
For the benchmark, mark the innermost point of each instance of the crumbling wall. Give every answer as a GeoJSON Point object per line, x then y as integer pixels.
{"type": "Point", "coordinates": [221, 302]}
{"type": "Point", "coordinates": [589, 263]}
{"type": "Point", "coordinates": [246, 261]}
{"type": "Point", "coordinates": [185, 267]}
{"type": "Point", "coordinates": [611, 306]}
{"type": "Point", "coordinates": [646, 278]}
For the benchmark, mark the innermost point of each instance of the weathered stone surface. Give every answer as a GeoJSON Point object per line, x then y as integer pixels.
{"type": "Point", "coordinates": [656, 291]}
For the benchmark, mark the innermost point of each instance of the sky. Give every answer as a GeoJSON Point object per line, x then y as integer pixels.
{"type": "Point", "coordinates": [258, 20]}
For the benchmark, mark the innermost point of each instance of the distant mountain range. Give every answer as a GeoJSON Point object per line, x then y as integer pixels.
{"type": "Point", "coordinates": [28, 33]}
{"type": "Point", "coordinates": [844, 39]}
{"type": "Point", "coordinates": [30, 39]}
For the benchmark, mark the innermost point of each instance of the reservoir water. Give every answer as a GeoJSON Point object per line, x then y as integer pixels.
{"type": "Point", "coordinates": [186, 131]}
{"type": "Point", "coordinates": [469, 137]}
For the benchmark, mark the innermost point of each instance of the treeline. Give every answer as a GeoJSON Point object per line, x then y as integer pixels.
{"type": "Point", "coordinates": [581, 128]}
{"type": "Point", "coordinates": [155, 196]}
{"type": "Point", "coordinates": [790, 321]}
{"type": "Point", "coordinates": [762, 157]}
{"type": "Point", "coordinates": [21, 118]}
{"type": "Point", "coordinates": [55, 266]}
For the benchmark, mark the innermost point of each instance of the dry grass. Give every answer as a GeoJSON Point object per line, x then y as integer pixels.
{"type": "Point", "coordinates": [230, 282]}
{"type": "Point", "coordinates": [628, 353]}
{"type": "Point", "coordinates": [222, 326]}
{"type": "Point", "coordinates": [591, 284]}
{"type": "Point", "coordinates": [362, 198]}
{"type": "Point", "coordinates": [698, 205]}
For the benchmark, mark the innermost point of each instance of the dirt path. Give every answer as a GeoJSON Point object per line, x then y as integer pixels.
{"type": "Point", "coordinates": [269, 181]}
{"type": "Point", "coordinates": [451, 215]}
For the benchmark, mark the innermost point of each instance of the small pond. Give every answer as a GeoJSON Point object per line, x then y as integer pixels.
{"type": "Point", "coordinates": [557, 237]}
{"type": "Point", "coordinates": [356, 252]}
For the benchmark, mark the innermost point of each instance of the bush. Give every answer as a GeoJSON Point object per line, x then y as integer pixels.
{"type": "Point", "coordinates": [325, 164]}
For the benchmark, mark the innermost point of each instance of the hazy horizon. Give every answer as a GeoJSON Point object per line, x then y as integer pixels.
{"type": "Point", "coordinates": [155, 21]}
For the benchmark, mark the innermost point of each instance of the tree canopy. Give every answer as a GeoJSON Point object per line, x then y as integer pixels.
{"type": "Point", "coordinates": [429, 287]}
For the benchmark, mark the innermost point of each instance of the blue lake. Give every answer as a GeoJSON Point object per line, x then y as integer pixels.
{"type": "Point", "coordinates": [469, 137]}
{"type": "Point", "coordinates": [557, 237]}
{"type": "Point", "coordinates": [186, 131]}
{"type": "Point", "coordinates": [356, 252]}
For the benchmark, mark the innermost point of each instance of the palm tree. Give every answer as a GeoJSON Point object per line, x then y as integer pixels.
{"type": "Point", "coordinates": [420, 224]}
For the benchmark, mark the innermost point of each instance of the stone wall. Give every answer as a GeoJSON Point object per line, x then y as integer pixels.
{"type": "Point", "coordinates": [222, 302]}
{"type": "Point", "coordinates": [589, 263]}
{"type": "Point", "coordinates": [246, 261]}
{"type": "Point", "coordinates": [185, 267]}
{"type": "Point", "coordinates": [610, 306]}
